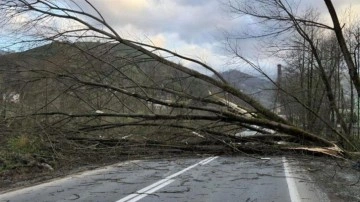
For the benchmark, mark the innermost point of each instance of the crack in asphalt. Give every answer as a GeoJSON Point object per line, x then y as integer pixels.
{"type": "Point", "coordinates": [77, 196]}
{"type": "Point", "coordinates": [175, 192]}
{"type": "Point", "coordinates": [245, 178]}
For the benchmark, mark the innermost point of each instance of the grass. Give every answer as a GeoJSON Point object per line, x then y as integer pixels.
{"type": "Point", "coordinates": [23, 144]}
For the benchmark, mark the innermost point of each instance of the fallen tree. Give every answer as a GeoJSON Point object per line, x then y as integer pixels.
{"type": "Point", "coordinates": [95, 80]}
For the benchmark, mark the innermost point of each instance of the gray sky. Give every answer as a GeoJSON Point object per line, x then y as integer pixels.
{"type": "Point", "coordinates": [194, 28]}
{"type": "Point", "coordinates": [191, 27]}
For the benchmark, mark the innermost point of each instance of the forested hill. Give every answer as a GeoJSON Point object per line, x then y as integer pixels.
{"type": "Point", "coordinates": [257, 87]}
{"type": "Point", "coordinates": [63, 72]}
{"type": "Point", "coordinates": [69, 58]}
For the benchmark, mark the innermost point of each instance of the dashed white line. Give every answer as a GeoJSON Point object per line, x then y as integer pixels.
{"type": "Point", "coordinates": [161, 183]}
{"type": "Point", "coordinates": [293, 192]}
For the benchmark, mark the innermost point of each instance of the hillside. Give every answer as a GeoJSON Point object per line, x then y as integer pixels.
{"type": "Point", "coordinates": [258, 88]}
{"type": "Point", "coordinates": [3, 52]}
{"type": "Point", "coordinates": [114, 64]}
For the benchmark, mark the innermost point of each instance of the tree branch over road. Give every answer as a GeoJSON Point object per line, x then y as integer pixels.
{"type": "Point", "coordinates": [94, 79]}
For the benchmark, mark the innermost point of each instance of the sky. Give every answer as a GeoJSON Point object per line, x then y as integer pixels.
{"type": "Point", "coordinates": [194, 28]}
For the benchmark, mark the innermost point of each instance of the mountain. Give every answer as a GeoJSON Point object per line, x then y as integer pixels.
{"type": "Point", "coordinates": [258, 88]}
{"type": "Point", "coordinates": [117, 65]}
{"type": "Point", "coordinates": [54, 67]}
{"type": "Point", "coordinates": [3, 52]}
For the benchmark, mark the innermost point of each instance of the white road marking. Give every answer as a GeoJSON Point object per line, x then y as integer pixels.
{"type": "Point", "coordinates": [208, 161]}
{"type": "Point", "coordinates": [161, 183]}
{"type": "Point", "coordinates": [151, 191]}
{"type": "Point", "coordinates": [293, 192]}
{"type": "Point", "coordinates": [188, 168]}
{"type": "Point", "coordinates": [141, 191]}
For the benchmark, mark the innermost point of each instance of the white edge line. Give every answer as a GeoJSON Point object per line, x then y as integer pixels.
{"type": "Point", "coordinates": [293, 192]}
{"type": "Point", "coordinates": [161, 183]}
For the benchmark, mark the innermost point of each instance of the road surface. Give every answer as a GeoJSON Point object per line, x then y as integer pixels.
{"type": "Point", "coordinates": [217, 178]}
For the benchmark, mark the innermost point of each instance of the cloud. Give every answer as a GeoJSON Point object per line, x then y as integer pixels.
{"type": "Point", "coordinates": [116, 6]}
{"type": "Point", "coordinates": [192, 2]}
{"type": "Point", "coordinates": [193, 28]}
{"type": "Point", "coordinates": [158, 40]}
{"type": "Point", "coordinates": [345, 9]}
{"type": "Point", "coordinates": [194, 22]}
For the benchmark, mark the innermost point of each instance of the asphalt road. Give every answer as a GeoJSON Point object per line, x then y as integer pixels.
{"type": "Point", "coordinates": [192, 179]}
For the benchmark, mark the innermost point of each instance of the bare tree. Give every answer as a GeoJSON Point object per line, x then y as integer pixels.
{"type": "Point", "coordinates": [280, 21]}
{"type": "Point", "coordinates": [103, 81]}
{"type": "Point", "coordinates": [353, 71]}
